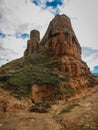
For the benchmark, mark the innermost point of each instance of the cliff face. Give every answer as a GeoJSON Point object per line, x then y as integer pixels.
{"type": "Point", "coordinates": [59, 41]}
{"type": "Point", "coordinates": [60, 38]}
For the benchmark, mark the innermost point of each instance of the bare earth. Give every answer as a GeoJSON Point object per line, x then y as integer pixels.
{"type": "Point", "coordinates": [83, 116]}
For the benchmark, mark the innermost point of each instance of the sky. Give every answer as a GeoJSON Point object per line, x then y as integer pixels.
{"type": "Point", "coordinates": [19, 17]}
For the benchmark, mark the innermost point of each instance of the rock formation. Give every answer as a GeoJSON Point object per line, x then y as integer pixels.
{"type": "Point", "coordinates": [33, 43]}
{"type": "Point", "coordinates": [60, 40]}
{"type": "Point", "coordinates": [51, 68]}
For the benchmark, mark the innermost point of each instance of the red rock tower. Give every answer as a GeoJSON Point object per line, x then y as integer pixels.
{"type": "Point", "coordinates": [60, 41]}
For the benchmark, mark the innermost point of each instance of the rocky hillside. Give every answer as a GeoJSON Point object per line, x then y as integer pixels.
{"type": "Point", "coordinates": [77, 113]}
{"type": "Point", "coordinates": [50, 69]}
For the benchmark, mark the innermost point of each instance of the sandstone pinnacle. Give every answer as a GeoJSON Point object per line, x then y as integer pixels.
{"type": "Point", "coordinates": [33, 43]}
{"type": "Point", "coordinates": [60, 38]}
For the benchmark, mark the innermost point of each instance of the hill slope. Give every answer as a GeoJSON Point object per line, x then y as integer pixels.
{"type": "Point", "coordinates": [80, 112]}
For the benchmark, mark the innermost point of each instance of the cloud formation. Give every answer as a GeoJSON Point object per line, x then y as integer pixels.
{"type": "Point", "coordinates": [11, 48]}
{"type": "Point", "coordinates": [22, 17]}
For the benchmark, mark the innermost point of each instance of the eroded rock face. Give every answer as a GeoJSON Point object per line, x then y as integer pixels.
{"type": "Point", "coordinates": [73, 66]}
{"type": "Point", "coordinates": [60, 41]}
{"type": "Point", "coordinates": [33, 43]}
{"type": "Point", "coordinates": [60, 38]}
{"type": "Point", "coordinates": [42, 91]}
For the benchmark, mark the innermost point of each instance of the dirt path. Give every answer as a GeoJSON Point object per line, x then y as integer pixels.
{"type": "Point", "coordinates": [78, 113]}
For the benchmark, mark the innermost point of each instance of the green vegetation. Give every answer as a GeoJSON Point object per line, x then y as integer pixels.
{"type": "Point", "coordinates": [66, 77]}
{"type": "Point", "coordinates": [67, 90]}
{"type": "Point", "coordinates": [18, 76]}
{"type": "Point", "coordinates": [69, 108]}
{"type": "Point", "coordinates": [92, 81]}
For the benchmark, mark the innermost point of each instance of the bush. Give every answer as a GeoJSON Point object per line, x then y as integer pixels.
{"type": "Point", "coordinates": [67, 90]}
{"type": "Point", "coordinates": [92, 81]}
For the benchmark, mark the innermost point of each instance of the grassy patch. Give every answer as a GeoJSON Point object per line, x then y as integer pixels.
{"type": "Point", "coordinates": [65, 77]}
{"type": "Point", "coordinates": [92, 81]}
{"type": "Point", "coordinates": [69, 108]}
{"type": "Point", "coordinates": [21, 82]}
{"type": "Point", "coordinates": [67, 90]}
{"type": "Point", "coordinates": [18, 76]}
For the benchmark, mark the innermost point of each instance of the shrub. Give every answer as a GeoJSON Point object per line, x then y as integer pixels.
{"type": "Point", "coordinates": [69, 108]}
{"type": "Point", "coordinates": [92, 81]}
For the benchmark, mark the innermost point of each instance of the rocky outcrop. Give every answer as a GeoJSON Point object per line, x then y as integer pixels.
{"type": "Point", "coordinates": [60, 38]}
{"type": "Point", "coordinates": [33, 43]}
{"type": "Point", "coordinates": [60, 41]}
{"type": "Point", "coordinates": [74, 67]}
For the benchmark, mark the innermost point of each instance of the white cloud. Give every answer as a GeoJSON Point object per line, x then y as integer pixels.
{"type": "Point", "coordinates": [50, 0]}
{"type": "Point", "coordinates": [90, 56]}
{"type": "Point", "coordinates": [11, 48]}
{"type": "Point", "coordinates": [18, 16]}
{"type": "Point", "coordinates": [85, 26]}
{"type": "Point", "coordinates": [92, 60]}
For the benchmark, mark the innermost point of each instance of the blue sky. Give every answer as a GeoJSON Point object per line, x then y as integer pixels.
{"type": "Point", "coordinates": [19, 17]}
{"type": "Point", "coordinates": [95, 69]}
{"type": "Point", "coordinates": [51, 3]}
{"type": "Point", "coordinates": [2, 35]}
{"type": "Point", "coordinates": [23, 36]}
{"type": "Point", "coordinates": [54, 3]}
